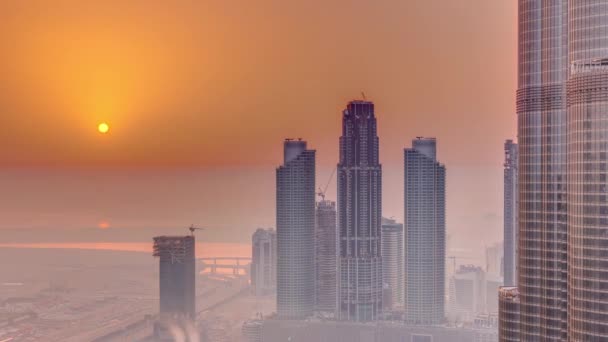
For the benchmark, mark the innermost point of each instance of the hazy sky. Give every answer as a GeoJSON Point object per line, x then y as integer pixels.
{"type": "Point", "coordinates": [200, 94]}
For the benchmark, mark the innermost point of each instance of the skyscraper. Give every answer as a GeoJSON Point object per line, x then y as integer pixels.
{"type": "Point", "coordinates": [392, 260]}
{"type": "Point", "coordinates": [495, 260]}
{"type": "Point", "coordinates": [587, 105]}
{"type": "Point", "coordinates": [470, 291]}
{"type": "Point", "coordinates": [508, 318]}
{"type": "Point", "coordinates": [263, 261]}
{"type": "Point", "coordinates": [295, 231]}
{"type": "Point", "coordinates": [424, 233]}
{"type": "Point", "coordinates": [541, 112]}
{"type": "Point", "coordinates": [325, 254]}
{"type": "Point", "coordinates": [177, 269]}
{"type": "Point", "coordinates": [510, 213]}
{"type": "Point", "coordinates": [359, 215]}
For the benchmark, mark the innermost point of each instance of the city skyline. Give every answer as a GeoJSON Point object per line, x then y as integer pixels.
{"type": "Point", "coordinates": [425, 171]}
{"type": "Point", "coordinates": [185, 127]}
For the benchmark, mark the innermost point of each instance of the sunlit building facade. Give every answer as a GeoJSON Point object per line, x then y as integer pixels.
{"type": "Point", "coordinates": [295, 231]}
{"type": "Point", "coordinates": [587, 94]}
{"type": "Point", "coordinates": [508, 319]}
{"type": "Point", "coordinates": [359, 215]}
{"type": "Point", "coordinates": [541, 111]}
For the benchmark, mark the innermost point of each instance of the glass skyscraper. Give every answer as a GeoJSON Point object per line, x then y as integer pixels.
{"type": "Point", "coordinates": [510, 213]}
{"type": "Point", "coordinates": [508, 318]}
{"type": "Point", "coordinates": [325, 256]}
{"type": "Point", "coordinates": [295, 231]}
{"type": "Point", "coordinates": [541, 111]}
{"type": "Point", "coordinates": [562, 106]}
{"type": "Point", "coordinates": [424, 219]}
{"type": "Point", "coordinates": [392, 260]}
{"type": "Point", "coordinates": [359, 215]}
{"type": "Point", "coordinates": [587, 101]}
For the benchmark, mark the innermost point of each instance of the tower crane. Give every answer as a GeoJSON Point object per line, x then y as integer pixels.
{"type": "Point", "coordinates": [321, 192]}
{"type": "Point", "coordinates": [192, 228]}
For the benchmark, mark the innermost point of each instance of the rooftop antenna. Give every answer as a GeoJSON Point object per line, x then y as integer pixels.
{"type": "Point", "coordinates": [363, 95]}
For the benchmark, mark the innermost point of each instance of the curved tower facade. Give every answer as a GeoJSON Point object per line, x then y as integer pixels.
{"type": "Point", "coordinates": [359, 215]}
{"type": "Point", "coordinates": [588, 171]}
{"type": "Point", "coordinates": [424, 223]}
{"type": "Point", "coordinates": [541, 110]}
{"type": "Point", "coordinates": [508, 319]}
{"type": "Point", "coordinates": [295, 231]}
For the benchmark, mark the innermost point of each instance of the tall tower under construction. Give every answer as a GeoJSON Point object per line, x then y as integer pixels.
{"type": "Point", "coordinates": [177, 271]}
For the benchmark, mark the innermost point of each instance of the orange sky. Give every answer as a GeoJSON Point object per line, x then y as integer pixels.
{"type": "Point", "coordinates": [192, 82]}
{"type": "Point", "coordinates": [218, 84]}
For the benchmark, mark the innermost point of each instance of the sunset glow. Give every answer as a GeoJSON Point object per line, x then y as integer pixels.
{"type": "Point", "coordinates": [103, 128]}
{"type": "Point", "coordinates": [103, 225]}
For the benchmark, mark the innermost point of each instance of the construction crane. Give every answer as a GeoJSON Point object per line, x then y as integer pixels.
{"type": "Point", "coordinates": [321, 192]}
{"type": "Point", "coordinates": [192, 228]}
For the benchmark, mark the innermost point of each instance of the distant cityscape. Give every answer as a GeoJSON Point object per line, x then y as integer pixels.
{"type": "Point", "coordinates": [342, 270]}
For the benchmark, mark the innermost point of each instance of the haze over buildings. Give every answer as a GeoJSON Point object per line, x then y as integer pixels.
{"type": "Point", "coordinates": [264, 261]}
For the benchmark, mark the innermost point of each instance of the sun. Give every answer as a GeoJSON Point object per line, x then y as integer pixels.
{"type": "Point", "coordinates": [103, 128]}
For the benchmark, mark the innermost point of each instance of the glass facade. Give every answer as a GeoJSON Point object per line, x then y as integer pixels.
{"type": "Point", "coordinates": [511, 204]}
{"type": "Point", "coordinates": [325, 257]}
{"type": "Point", "coordinates": [424, 223]}
{"type": "Point", "coordinates": [588, 171]}
{"type": "Point", "coordinates": [508, 319]}
{"type": "Point", "coordinates": [541, 109]}
{"type": "Point", "coordinates": [359, 215]}
{"type": "Point", "coordinates": [392, 261]}
{"type": "Point", "coordinates": [295, 232]}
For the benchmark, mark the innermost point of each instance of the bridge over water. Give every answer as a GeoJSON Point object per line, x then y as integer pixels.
{"type": "Point", "coordinates": [235, 264]}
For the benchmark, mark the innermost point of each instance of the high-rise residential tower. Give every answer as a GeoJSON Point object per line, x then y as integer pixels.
{"type": "Point", "coordinates": [359, 215]}
{"type": "Point", "coordinates": [295, 231]}
{"type": "Point", "coordinates": [325, 257]}
{"type": "Point", "coordinates": [392, 260]}
{"type": "Point", "coordinates": [587, 105]}
{"type": "Point", "coordinates": [424, 234]}
{"type": "Point", "coordinates": [541, 111]}
{"type": "Point", "coordinates": [510, 213]}
{"type": "Point", "coordinates": [264, 261]}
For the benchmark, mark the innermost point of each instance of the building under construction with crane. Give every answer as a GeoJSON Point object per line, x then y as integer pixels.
{"type": "Point", "coordinates": [177, 269]}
